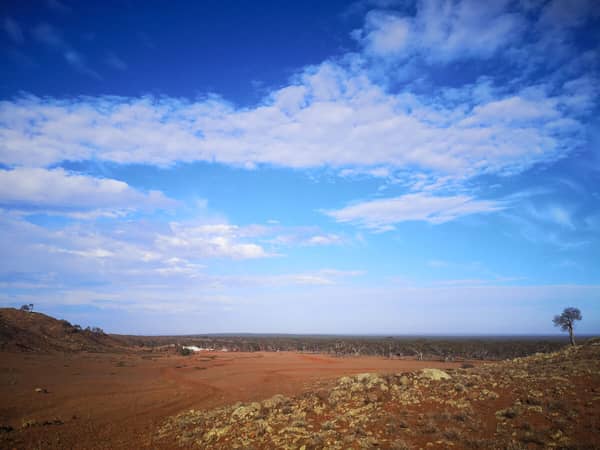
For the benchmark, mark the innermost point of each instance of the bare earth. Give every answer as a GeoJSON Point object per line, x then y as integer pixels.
{"type": "Point", "coordinates": [118, 400]}
{"type": "Point", "coordinates": [543, 401]}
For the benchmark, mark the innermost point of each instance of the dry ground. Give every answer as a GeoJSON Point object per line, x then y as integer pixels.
{"type": "Point", "coordinates": [118, 400]}
{"type": "Point", "coordinates": [538, 402]}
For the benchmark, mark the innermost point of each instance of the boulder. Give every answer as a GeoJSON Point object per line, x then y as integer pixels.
{"type": "Point", "coordinates": [246, 412]}
{"type": "Point", "coordinates": [435, 374]}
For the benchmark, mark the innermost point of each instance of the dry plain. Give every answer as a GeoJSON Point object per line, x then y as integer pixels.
{"type": "Point", "coordinates": [117, 400]}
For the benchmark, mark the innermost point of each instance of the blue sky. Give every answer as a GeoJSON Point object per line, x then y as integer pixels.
{"type": "Point", "coordinates": [381, 166]}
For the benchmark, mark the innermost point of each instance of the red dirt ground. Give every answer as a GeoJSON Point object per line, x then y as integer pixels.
{"type": "Point", "coordinates": [96, 400]}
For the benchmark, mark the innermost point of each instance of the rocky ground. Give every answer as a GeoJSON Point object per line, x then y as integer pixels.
{"type": "Point", "coordinates": [542, 401]}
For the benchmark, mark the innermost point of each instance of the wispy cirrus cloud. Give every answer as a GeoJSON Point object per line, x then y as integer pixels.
{"type": "Point", "coordinates": [49, 36]}
{"type": "Point", "coordinates": [322, 277]}
{"type": "Point", "coordinates": [13, 30]}
{"type": "Point", "coordinates": [58, 6]}
{"type": "Point", "coordinates": [383, 214]}
{"type": "Point", "coordinates": [304, 236]}
{"type": "Point", "coordinates": [115, 62]}
{"type": "Point", "coordinates": [52, 37]}
{"type": "Point", "coordinates": [78, 62]}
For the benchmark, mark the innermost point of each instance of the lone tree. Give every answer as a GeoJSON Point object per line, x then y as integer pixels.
{"type": "Point", "coordinates": [566, 321]}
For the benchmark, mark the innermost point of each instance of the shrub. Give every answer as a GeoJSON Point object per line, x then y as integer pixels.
{"type": "Point", "coordinates": [185, 351]}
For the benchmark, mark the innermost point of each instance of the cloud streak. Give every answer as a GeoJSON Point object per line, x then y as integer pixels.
{"type": "Point", "coordinates": [52, 38]}
{"type": "Point", "coordinates": [13, 30]}
{"type": "Point", "coordinates": [57, 189]}
{"type": "Point", "coordinates": [383, 214]}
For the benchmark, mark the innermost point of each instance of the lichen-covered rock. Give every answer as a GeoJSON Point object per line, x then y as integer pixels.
{"type": "Point", "coordinates": [274, 402]}
{"type": "Point", "coordinates": [370, 380]}
{"type": "Point", "coordinates": [216, 433]}
{"type": "Point", "coordinates": [243, 413]}
{"type": "Point", "coordinates": [336, 396]}
{"type": "Point", "coordinates": [435, 374]}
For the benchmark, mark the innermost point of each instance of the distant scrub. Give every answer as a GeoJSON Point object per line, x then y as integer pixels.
{"type": "Point", "coordinates": [448, 349]}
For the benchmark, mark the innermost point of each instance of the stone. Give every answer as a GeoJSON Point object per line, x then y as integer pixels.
{"type": "Point", "coordinates": [435, 374]}
{"type": "Point", "coordinates": [274, 402]}
{"type": "Point", "coordinates": [243, 413]}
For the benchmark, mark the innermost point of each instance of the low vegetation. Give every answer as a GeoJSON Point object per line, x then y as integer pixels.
{"type": "Point", "coordinates": [425, 348]}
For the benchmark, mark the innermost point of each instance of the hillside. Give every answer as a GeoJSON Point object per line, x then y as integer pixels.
{"type": "Point", "coordinates": [542, 401]}
{"type": "Point", "coordinates": [36, 332]}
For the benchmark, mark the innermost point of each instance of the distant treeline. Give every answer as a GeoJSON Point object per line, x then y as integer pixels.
{"type": "Point", "coordinates": [433, 348]}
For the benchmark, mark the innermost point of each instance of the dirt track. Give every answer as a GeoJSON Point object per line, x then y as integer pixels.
{"type": "Point", "coordinates": [117, 400]}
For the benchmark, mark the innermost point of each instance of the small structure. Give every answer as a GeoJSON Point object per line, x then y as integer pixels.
{"type": "Point", "coordinates": [194, 348]}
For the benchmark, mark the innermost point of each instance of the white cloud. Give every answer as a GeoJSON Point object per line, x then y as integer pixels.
{"type": "Point", "coordinates": [332, 114]}
{"type": "Point", "coordinates": [386, 34]}
{"type": "Point", "coordinates": [143, 255]}
{"type": "Point", "coordinates": [324, 239]}
{"type": "Point", "coordinates": [442, 30]}
{"type": "Point", "coordinates": [129, 255]}
{"type": "Point", "coordinates": [59, 189]}
{"type": "Point", "coordinates": [383, 214]}
{"type": "Point", "coordinates": [377, 172]}
{"type": "Point", "coordinates": [335, 118]}
{"type": "Point", "coordinates": [514, 109]}
{"type": "Point", "coordinates": [139, 264]}
{"type": "Point", "coordinates": [304, 236]}
{"type": "Point", "coordinates": [213, 240]}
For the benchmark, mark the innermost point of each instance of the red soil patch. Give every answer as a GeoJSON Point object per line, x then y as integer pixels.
{"type": "Point", "coordinates": [114, 400]}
